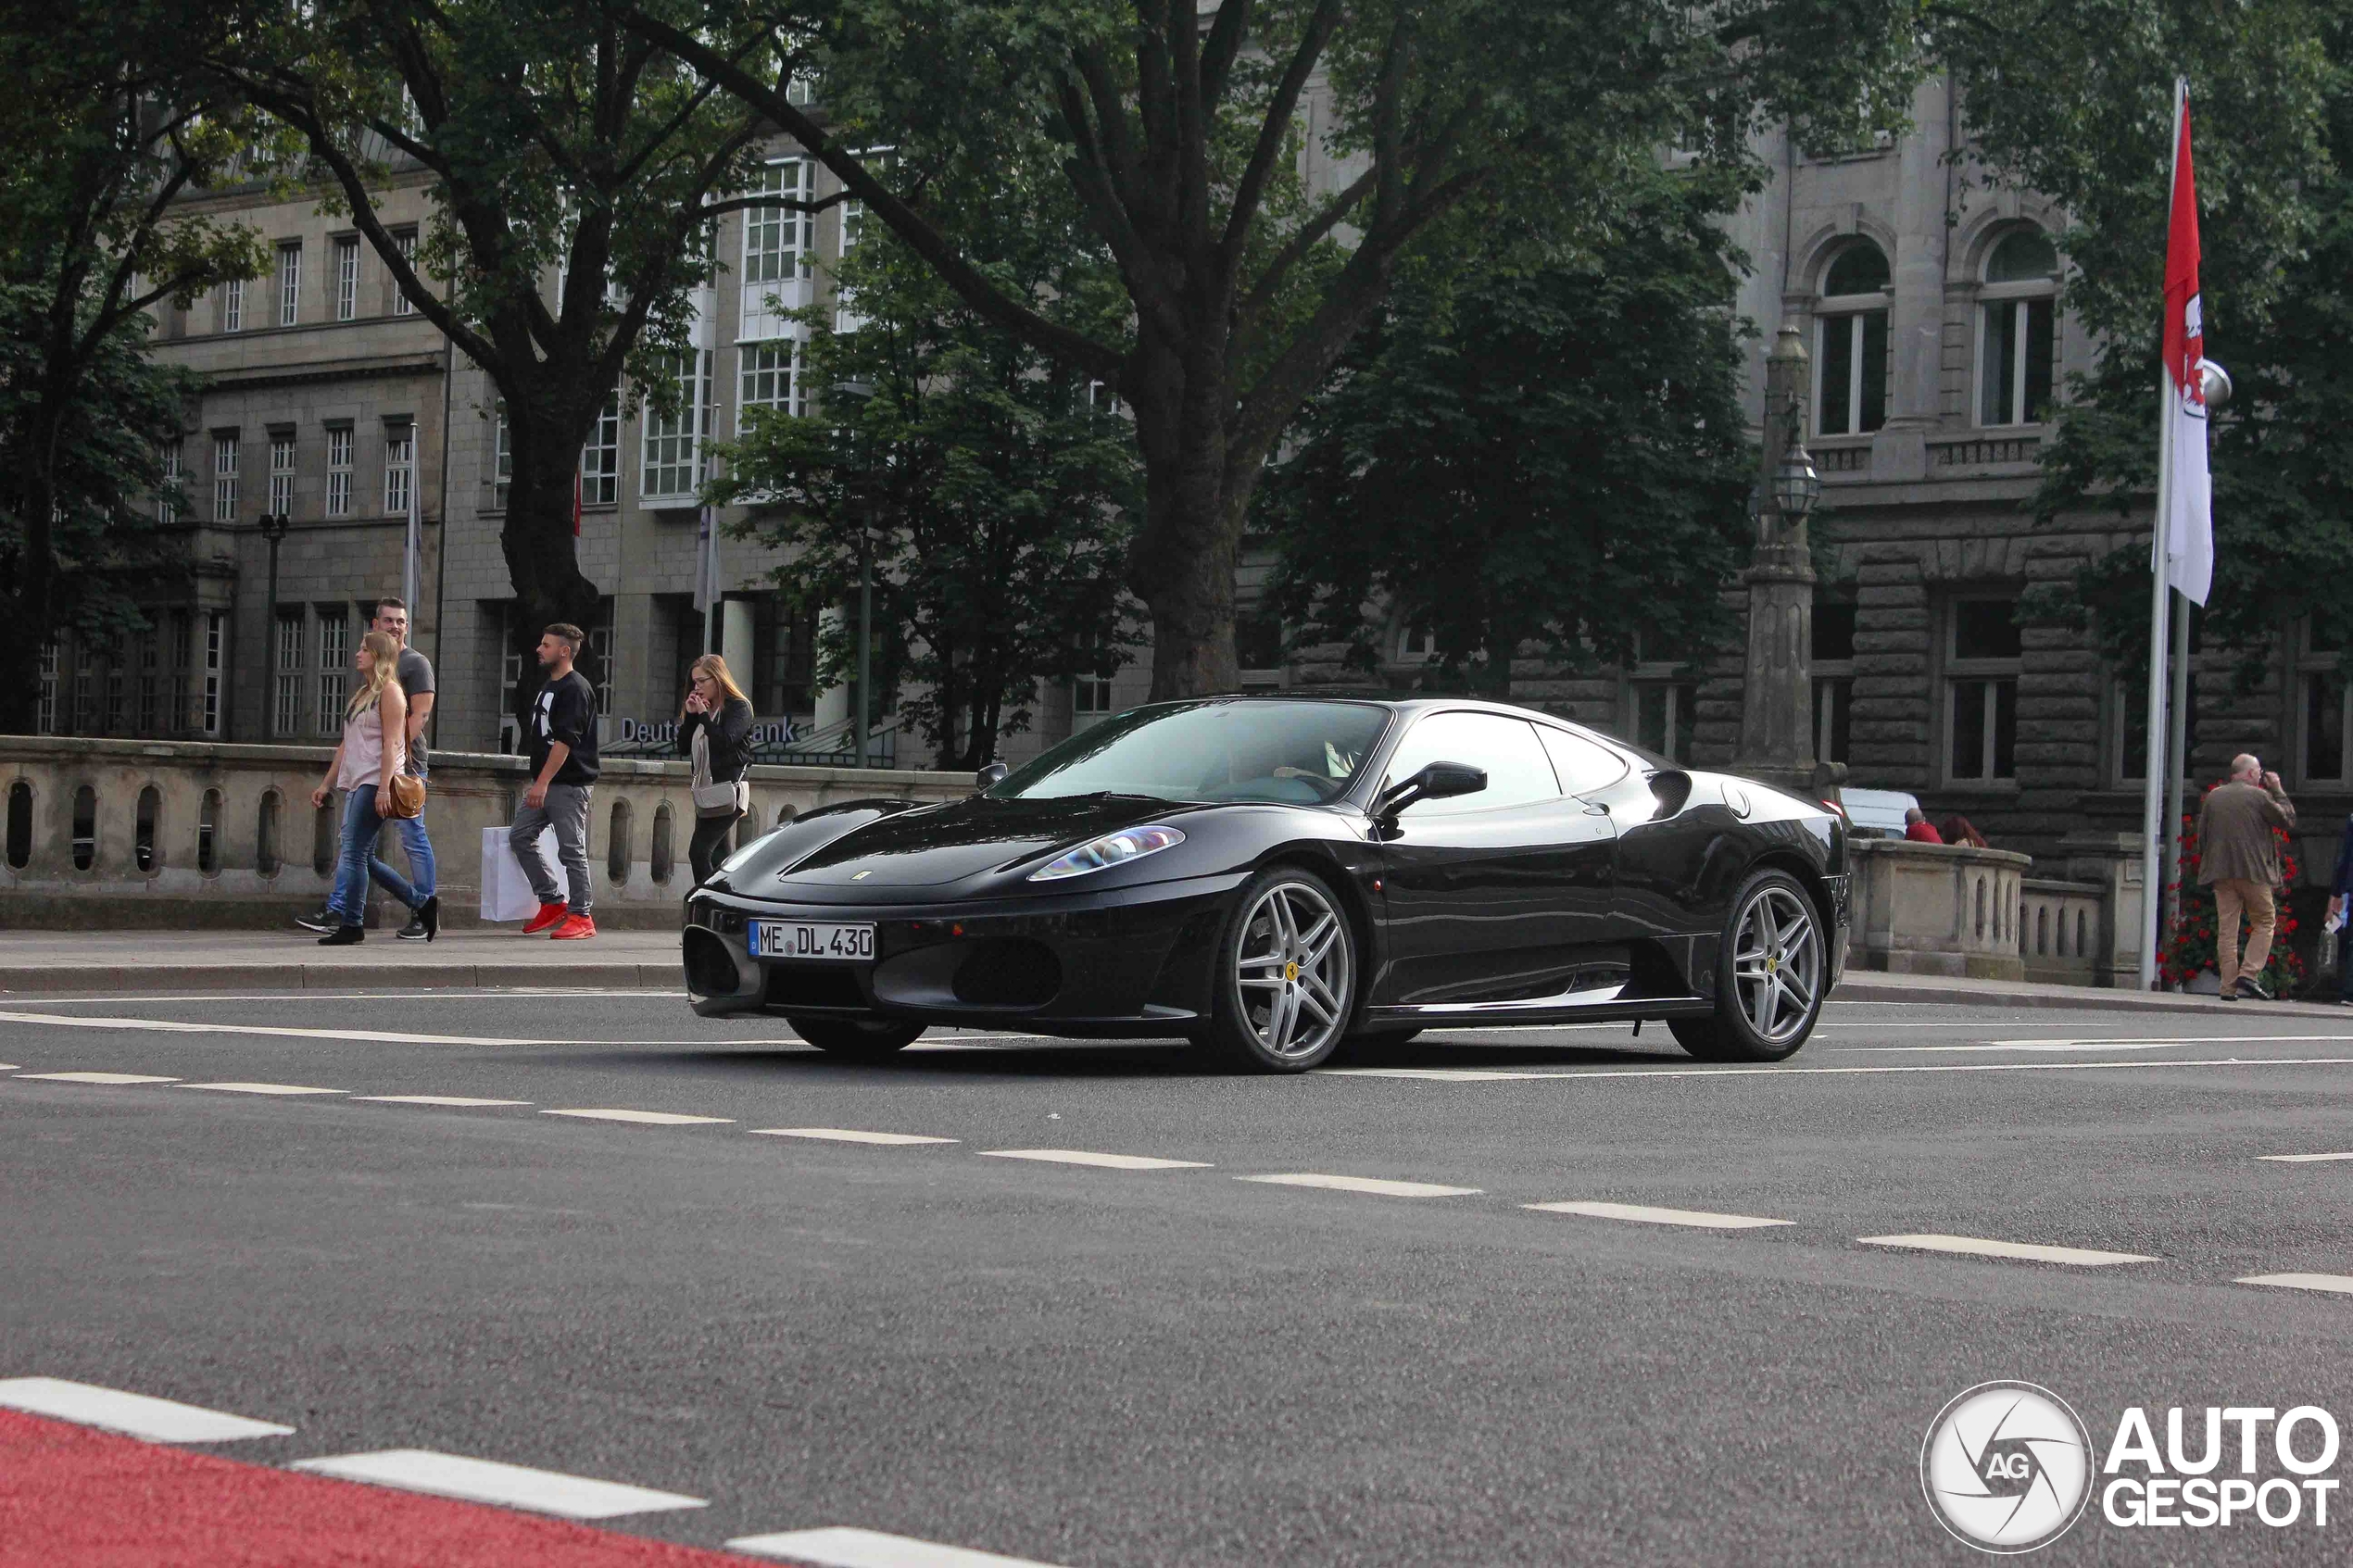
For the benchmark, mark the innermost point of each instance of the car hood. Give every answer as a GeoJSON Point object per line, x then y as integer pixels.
{"type": "Point", "coordinates": [936, 845]}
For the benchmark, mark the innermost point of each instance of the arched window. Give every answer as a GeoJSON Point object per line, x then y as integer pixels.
{"type": "Point", "coordinates": [2017, 342]}
{"type": "Point", "coordinates": [1850, 342]}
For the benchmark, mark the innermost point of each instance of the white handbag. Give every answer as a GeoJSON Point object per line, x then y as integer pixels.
{"type": "Point", "coordinates": [506, 892]}
{"type": "Point", "coordinates": [715, 798]}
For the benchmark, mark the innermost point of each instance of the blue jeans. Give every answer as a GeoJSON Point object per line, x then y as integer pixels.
{"type": "Point", "coordinates": [355, 860]}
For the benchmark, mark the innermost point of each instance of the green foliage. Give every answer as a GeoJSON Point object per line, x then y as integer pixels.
{"type": "Point", "coordinates": [990, 489]}
{"type": "Point", "coordinates": [1537, 448]}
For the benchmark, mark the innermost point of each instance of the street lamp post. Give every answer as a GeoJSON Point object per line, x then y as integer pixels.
{"type": "Point", "coordinates": [1777, 714]}
{"type": "Point", "coordinates": [273, 528]}
{"type": "Point", "coordinates": [857, 394]}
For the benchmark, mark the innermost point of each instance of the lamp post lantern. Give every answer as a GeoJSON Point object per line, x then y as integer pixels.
{"type": "Point", "coordinates": [1777, 711]}
{"type": "Point", "coordinates": [274, 529]}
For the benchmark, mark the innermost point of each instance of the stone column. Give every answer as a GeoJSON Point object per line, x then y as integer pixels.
{"type": "Point", "coordinates": [1916, 298]}
{"type": "Point", "coordinates": [1777, 716]}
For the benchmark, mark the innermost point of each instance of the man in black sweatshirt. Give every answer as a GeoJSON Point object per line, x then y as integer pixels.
{"type": "Point", "coordinates": [561, 731]}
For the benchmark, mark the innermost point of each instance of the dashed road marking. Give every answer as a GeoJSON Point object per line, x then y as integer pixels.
{"type": "Point", "coordinates": [2341, 1284]}
{"type": "Point", "coordinates": [435, 1099]}
{"type": "Point", "coordinates": [846, 1135]}
{"type": "Point", "coordinates": [134, 1415]}
{"type": "Point", "coordinates": [509, 1486]}
{"type": "Point", "coordinates": [1362, 1183]}
{"type": "Point", "coordinates": [174, 1026]}
{"type": "Point", "coordinates": [842, 1548]}
{"type": "Point", "coordinates": [2082, 1257]}
{"type": "Point", "coordinates": [1087, 1157]}
{"type": "Point", "coordinates": [99, 1077]}
{"type": "Point", "coordinates": [2303, 1159]}
{"type": "Point", "coordinates": [1644, 1213]}
{"type": "Point", "coordinates": [649, 1118]}
{"type": "Point", "coordinates": [242, 1088]}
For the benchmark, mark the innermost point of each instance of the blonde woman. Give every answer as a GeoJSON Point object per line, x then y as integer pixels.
{"type": "Point", "coordinates": [714, 728]}
{"type": "Point", "coordinates": [373, 746]}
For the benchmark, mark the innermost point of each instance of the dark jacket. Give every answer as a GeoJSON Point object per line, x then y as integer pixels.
{"type": "Point", "coordinates": [2344, 882]}
{"type": "Point", "coordinates": [565, 710]}
{"type": "Point", "coordinates": [730, 738]}
{"type": "Point", "coordinates": [2235, 834]}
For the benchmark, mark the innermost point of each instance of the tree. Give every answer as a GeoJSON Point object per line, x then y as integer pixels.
{"type": "Point", "coordinates": [1538, 448]}
{"type": "Point", "coordinates": [2079, 106]}
{"type": "Point", "coordinates": [1187, 139]}
{"type": "Point", "coordinates": [576, 173]}
{"type": "Point", "coordinates": [984, 484]}
{"type": "Point", "coordinates": [106, 127]}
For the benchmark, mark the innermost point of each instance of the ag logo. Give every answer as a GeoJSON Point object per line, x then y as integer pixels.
{"type": "Point", "coordinates": [2007, 1467]}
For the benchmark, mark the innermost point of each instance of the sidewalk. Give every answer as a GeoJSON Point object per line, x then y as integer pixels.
{"type": "Point", "coordinates": [33, 962]}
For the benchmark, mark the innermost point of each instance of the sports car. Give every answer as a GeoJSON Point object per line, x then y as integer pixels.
{"type": "Point", "coordinates": [1274, 876]}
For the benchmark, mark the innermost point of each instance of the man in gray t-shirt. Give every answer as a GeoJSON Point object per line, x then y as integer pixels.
{"type": "Point", "coordinates": [415, 674]}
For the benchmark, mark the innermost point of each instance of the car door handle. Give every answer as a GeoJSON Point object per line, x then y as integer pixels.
{"type": "Point", "coordinates": [1596, 809]}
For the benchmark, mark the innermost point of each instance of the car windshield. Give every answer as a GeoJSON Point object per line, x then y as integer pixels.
{"type": "Point", "coordinates": [1300, 753]}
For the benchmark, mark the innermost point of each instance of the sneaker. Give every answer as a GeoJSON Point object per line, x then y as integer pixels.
{"type": "Point", "coordinates": [414, 930]}
{"type": "Point", "coordinates": [343, 936]}
{"type": "Point", "coordinates": [2253, 990]}
{"type": "Point", "coordinates": [423, 922]}
{"type": "Point", "coordinates": [548, 915]}
{"type": "Point", "coordinates": [319, 919]}
{"type": "Point", "coordinates": [573, 928]}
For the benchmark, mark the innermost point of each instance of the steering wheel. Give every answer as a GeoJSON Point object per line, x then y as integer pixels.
{"type": "Point", "coordinates": [1325, 789]}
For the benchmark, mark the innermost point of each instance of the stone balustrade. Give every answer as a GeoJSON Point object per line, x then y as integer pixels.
{"type": "Point", "coordinates": [1943, 908]}
{"type": "Point", "coordinates": [175, 834]}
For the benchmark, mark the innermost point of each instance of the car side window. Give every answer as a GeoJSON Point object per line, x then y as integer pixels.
{"type": "Point", "coordinates": [1581, 764]}
{"type": "Point", "coordinates": [1517, 772]}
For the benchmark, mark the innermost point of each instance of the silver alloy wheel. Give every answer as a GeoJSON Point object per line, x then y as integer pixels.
{"type": "Point", "coordinates": [1777, 963]}
{"type": "Point", "coordinates": [1291, 973]}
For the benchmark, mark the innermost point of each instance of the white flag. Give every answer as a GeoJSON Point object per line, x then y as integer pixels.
{"type": "Point", "coordinates": [2189, 521]}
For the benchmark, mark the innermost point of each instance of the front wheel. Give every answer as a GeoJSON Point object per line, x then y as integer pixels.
{"type": "Point", "coordinates": [855, 1039]}
{"type": "Point", "coordinates": [1770, 975]}
{"type": "Point", "coordinates": [1286, 974]}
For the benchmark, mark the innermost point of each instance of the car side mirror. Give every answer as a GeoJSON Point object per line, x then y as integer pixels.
{"type": "Point", "coordinates": [1671, 787]}
{"type": "Point", "coordinates": [990, 776]}
{"type": "Point", "coordinates": [1439, 781]}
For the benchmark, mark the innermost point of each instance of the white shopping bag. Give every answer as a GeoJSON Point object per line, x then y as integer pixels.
{"type": "Point", "coordinates": [506, 892]}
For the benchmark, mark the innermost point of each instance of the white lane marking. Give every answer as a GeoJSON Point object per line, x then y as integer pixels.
{"type": "Point", "coordinates": [174, 1026]}
{"type": "Point", "coordinates": [1087, 1157]}
{"type": "Point", "coordinates": [1362, 1183]}
{"type": "Point", "coordinates": [1480, 1074]}
{"type": "Point", "coordinates": [453, 994]}
{"type": "Point", "coordinates": [1979, 1247]}
{"type": "Point", "coordinates": [2044, 1046]}
{"type": "Point", "coordinates": [839, 1547]}
{"type": "Point", "coordinates": [134, 1415]}
{"type": "Point", "coordinates": [99, 1077]}
{"type": "Point", "coordinates": [649, 1118]}
{"type": "Point", "coordinates": [435, 1099]}
{"type": "Point", "coordinates": [240, 1088]}
{"type": "Point", "coordinates": [846, 1135]}
{"type": "Point", "coordinates": [2340, 1283]}
{"type": "Point", "coordinates": [2339, 1036]}
{"type": "Point", "coordinates": [2302, 1159]}
{"type": "Point", "coordinates": [1644, 1214]}
{"type": "Point", "coordinates": [509, 1486]}
{"type": "Point", "coordinates": [8, 1067]}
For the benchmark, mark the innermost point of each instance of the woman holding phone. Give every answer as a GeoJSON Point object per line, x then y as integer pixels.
{"type": "Point", "coordinates": [714, 728]}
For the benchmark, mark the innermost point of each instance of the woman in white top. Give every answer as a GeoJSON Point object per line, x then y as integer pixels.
{"type": "Point", "coordinates": [373, 748]}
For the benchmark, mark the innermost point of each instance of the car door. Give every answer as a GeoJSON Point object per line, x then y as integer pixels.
{"type": "Point", "coordinates": [1494, 896]}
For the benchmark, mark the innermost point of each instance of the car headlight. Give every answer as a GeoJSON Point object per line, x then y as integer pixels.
{"type": "Point", "coordinates": [1112, 849]}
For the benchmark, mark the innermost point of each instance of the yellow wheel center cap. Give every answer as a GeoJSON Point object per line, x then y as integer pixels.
{"type": "Point", "coordinates": [1772, 965]}
{"type": "Point", "coordinates": [1291, 972]}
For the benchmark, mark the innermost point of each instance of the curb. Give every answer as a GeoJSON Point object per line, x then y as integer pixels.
{"type": "Point", "coordinates": [58, 980]}
{"type": "Point", "coordinates": [1856, 988]}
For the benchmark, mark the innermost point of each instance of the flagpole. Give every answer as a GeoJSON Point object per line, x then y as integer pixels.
{"type": "Point", "coordinates": [2161, 586]}
{"type": "Point", "coordinates": [415, 540]}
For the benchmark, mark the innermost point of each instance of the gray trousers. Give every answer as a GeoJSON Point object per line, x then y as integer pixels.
{"type": "Point", "coordinates": [566, 812]}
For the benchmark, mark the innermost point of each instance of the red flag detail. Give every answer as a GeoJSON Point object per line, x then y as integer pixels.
{"type": "Point", "coordinates": [2185, 311]}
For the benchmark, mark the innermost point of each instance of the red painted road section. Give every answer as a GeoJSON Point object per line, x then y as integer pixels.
{"type": "Point", "coordinates": [74, 1497]}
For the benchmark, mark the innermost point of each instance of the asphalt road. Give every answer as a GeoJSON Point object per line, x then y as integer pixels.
{"type": "Point", "coordinates": [1105, 1367]}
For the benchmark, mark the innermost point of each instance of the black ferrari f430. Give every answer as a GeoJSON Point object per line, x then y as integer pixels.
{"type": "Point", "coordinates": [1273, 877]}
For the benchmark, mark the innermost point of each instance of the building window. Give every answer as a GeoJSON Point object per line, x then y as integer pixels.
{"type": "Point", "coordinates": [216, 659]}
{"type": "Point", "coordinates": [167, 492]}
{"type": "Point", "coordinates": [224, 478]}
{"type": "Point", "coordinates": [1415, 645]}
{"type": "Point", "coordinates": [150, 681]}
{"type": "Point", "coordinates": [334, 666]}
{"type": "Point", "coordinates": [232, 306]}
{"type": "Point", "coordinates": [289, 282]}
{"type": "Point", "coordinates": [281, 474]}
{"type": "Point", "coordinates": [1090, 693]}
{"type": "Point", "coordinates": [771, 379]}
{"type": "Point", "coordinates": [45, 714]}
{"type": "Point", "coordinates": [1834, 667]}
{"type": "Point", "coordinates": [285, 697]}
{"type": "Point", "coordinates": [400, 459]}
{"type": "Point", "coordinates": [1980, 690]}
{"type": "Point", "coordinates": [404, 240]}
{"type": "Point", "coordinates": [1850, 388]}
{"type": "Point", "coordinates": [2326, 704]}
{"type": "Point", "coordinates": [1664, 713]}
{"type": "Point", "coordinates": [674, 458]}
{"type": "Point", "coordinates": [347, 277]}
{"type": "Point", "coordinates": [338, 471]}
{"type": "Point", "coordinates": [853, 228]}
{"type": "Point", "coordinates": [1258, 641]}
{"type": "Point", "coordinates": [777, 241]}
{"type": "Point", "coordinates": [600, 458]}
{"type": "Point", "coordinates": [600, 652]}
{"type": "Point", "coordinates": [2017, 331]}
{"type": "Point", "coordinates": [502, 462]}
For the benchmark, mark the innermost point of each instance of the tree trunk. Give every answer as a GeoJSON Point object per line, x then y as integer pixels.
{"type": "Point", "coordinates": [542, 553]}
{"type": "Point", "coordinates": [1182, 562]}
{"type": "Point", "coordinates": [27, 612]}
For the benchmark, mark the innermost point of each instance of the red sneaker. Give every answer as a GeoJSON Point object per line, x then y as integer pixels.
{"type": "Point", "coordinates": [573, 928]}
{"type": "Point", "coordinates": [548, 915]}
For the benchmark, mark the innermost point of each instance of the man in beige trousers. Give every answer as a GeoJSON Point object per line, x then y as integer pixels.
{"type": "Point", "coordinates": [2239, 860]}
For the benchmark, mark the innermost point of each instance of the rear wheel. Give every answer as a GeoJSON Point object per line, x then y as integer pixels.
{"type": "Point", "coordinates": [858, 1039]}
{"type": "Point", "coordinates": [1286, 974]}
{"type": "Point", "coordinates": [1770, 975]}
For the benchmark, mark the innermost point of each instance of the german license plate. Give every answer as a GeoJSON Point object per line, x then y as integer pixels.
{"type": "Point", "coordinates": [808, 939]}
